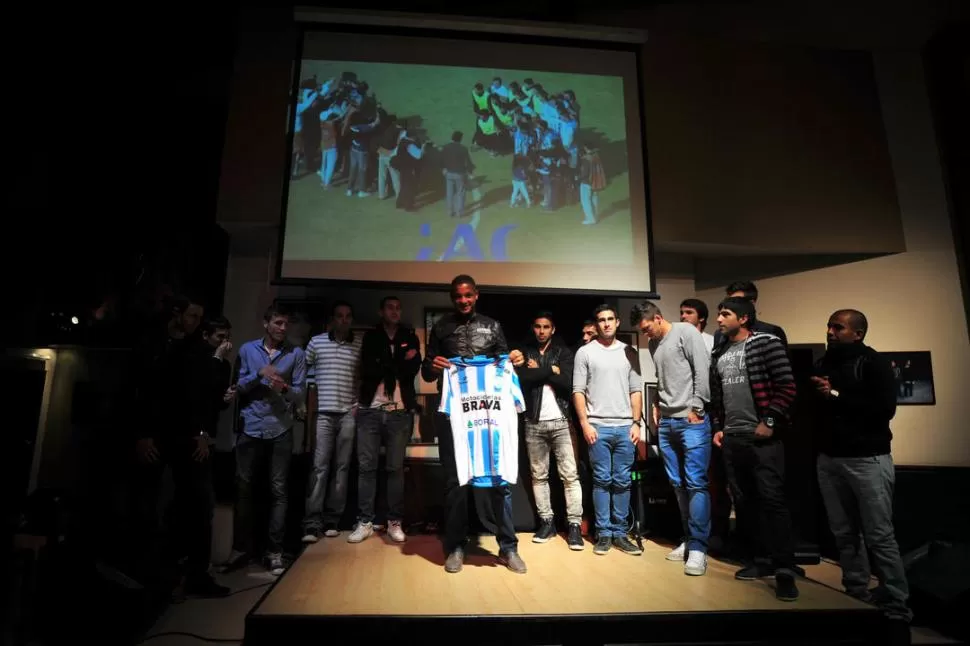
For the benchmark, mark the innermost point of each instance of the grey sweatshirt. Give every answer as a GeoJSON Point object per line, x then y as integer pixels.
{"type": "Point", "coordinates": [683, 370]}
{"type": "Point", "coordinates": [607, 376]}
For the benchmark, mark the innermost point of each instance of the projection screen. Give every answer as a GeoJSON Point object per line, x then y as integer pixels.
{"type": "Point", "coordinates": [415, 158]}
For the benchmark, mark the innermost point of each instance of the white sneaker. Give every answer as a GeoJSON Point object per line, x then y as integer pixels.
{"type": "Point", "coordinates": [678, 553]}
{"type": "Point", "coordinates": [274, 563]}
{"type": "Point", "coordinates": [696, 563]}
{"type": "Point", "coordinates": [362, 532]}
{"type": "Point", "coordinates": [332, 533]}
{"type": "Point", "coordinates": [310, 537]}
{"type": "Point", "coordinates": [395, 532]}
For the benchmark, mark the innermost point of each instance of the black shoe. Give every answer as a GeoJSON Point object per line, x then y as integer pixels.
{"type": "Point", "coordinates": [455, 560]}
{"type": "Point", "coordinates": [626, 546]}
{"type": "Point", "coordinates": [205, 586]}
{"type": "Point", "coordinates": [748, 573]}
{"type": "Point", "coordinates": [575, 538]}
{"type": "Point", "coordinates": [513, 561]}
{"type": "Point", "coordinates": [602, 545]}
{"type": "Point", "coordinates": [785, 589]}
{"type": "Point", "coordinates": [546, 531]}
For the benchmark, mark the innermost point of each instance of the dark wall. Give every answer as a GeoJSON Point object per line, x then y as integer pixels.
{"type": "Point", "coordinates": [947, 60]}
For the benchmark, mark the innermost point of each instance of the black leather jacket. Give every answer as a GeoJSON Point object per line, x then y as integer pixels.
{"type": "Point", "coordinates": [456, 336]}
{"type": "Point", "coordinates": [533, 379]}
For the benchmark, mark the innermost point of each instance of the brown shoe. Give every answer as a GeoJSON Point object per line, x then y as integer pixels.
{"type": "Point", "coordinates": [514, 562]}
{"type": "Point", "coordinates": [455, 560]}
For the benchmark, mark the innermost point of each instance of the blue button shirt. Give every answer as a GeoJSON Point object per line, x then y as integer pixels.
{"type": "Point", "coordinates": [266, 413]}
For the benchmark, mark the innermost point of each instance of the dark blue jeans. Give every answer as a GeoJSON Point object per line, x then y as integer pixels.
{"type": "Point", "coordinates": [686, 450]}
{"type": "Point", "coordinates": [392, 428]}
{"type": "Point", "coordinates": [251, 452]}
{"type": "Point", "coordinates": [611, 456]}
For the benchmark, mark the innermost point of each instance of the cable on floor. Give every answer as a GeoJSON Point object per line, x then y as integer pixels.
{"type": "Point", "coordinates": [214, 640]}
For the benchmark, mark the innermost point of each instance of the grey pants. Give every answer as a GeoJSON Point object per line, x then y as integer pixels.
{"type": "Point", "coordinates": [455, 193]}
{"type": "Point", "coordinates": [335, 435]}
{"type": "Point", "coordinates": [541, 438]}
{"type": "Point", "coordinates": [858, 497]}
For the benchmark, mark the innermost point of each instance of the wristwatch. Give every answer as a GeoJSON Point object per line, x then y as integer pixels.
{"type": "Point", "coordinates": [769, 421]}
{"type": "Point", "coordinates": [638, 422]}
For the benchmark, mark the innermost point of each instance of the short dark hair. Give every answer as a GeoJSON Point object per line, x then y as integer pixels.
{"type": "Point", "coordinates": [216, 323]}
{"type": "Point", "coordinates": [274, 310]}
{"type": "Point", "coordinates": [745, 286]}
{"type": "Point", "coordinates": [740, 307]}
{"type": "Point", "coordinates": [589, 322]}
{"type": "Point", "coordinates": [698, 305]}
{"type": "Point", "coordinates": [181, 302]}
{"type": "Point", "coordinates": [644, 310]}
{"type": "Point", "coordinates": [602, 308]}
{"type": "Point", "coordinates": [857, 319]}
{"type": "Point", "coordinates": [544, 314]}
{"type": "Point", "coordinates": [385, 300]}
{"type": "Point", "coordinates": [463, 279]}
{"type": "Point", "coordinates": [336, 304]}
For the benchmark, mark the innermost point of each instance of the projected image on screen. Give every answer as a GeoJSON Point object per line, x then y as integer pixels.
{"type": "Point", "coordinates": [414, 163]}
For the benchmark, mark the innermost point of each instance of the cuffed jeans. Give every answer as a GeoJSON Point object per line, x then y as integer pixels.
{"type": "Point", "coordinates": [686, 450]}
{"type": "Point", "coordinates": [544, 437]}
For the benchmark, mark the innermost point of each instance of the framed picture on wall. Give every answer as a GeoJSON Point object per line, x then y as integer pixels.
{"type": "Point", "coordinates": [913, 372]}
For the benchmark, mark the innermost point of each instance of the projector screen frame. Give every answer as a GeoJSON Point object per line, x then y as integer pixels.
{"type": "Point", "coordinates": [626, 41]}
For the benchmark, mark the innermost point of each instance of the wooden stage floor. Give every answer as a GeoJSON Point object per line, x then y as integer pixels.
{"type": "Point", "coordinates": [378, 588]}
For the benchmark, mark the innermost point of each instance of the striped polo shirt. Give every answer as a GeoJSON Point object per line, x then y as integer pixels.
{"type": "Point", "coordinates": [333, 367]}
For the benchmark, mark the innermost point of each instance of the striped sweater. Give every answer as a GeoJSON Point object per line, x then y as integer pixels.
{"type": "Point", "coordinates": [333, 367]}
{"type": "Point", "coordinates": [770, 376]}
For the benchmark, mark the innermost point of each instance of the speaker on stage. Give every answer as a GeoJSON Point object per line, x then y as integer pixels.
{"type": "Point", "coordinates": [939, 586]}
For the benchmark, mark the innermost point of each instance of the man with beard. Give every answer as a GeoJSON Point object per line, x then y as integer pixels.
{"type": "Point", "coordinates": [465, 333]}
{"type": "Point", "coordinates": [857, 393]}
{"type": "Point", "coordinates": [752, 390]}
{"type": "Point", "coordinates": [546, 370]}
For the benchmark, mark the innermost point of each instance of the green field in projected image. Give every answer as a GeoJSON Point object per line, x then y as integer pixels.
{"type": "Point", "coordinates": [436, 101]}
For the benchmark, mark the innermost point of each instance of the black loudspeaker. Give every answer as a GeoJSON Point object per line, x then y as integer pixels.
{"type": "Point", "coordinates": [939, 583]}
{"type": "Point", "coordinates": [801, 479]}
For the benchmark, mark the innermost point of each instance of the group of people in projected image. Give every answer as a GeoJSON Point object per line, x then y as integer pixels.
{"type": "Point", "coordinates": [343, 133]}
{"type": "Point", "coordinates": [541, 130]}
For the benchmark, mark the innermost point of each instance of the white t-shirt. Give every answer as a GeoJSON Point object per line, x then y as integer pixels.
{"type": "Point", "coordinates": [483, 400]}
{"type": "Point", "coordinates": [708, 341]}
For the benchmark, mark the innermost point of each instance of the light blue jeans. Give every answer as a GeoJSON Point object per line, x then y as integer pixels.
{"type": "Point", "coordinates": [686, 450]}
